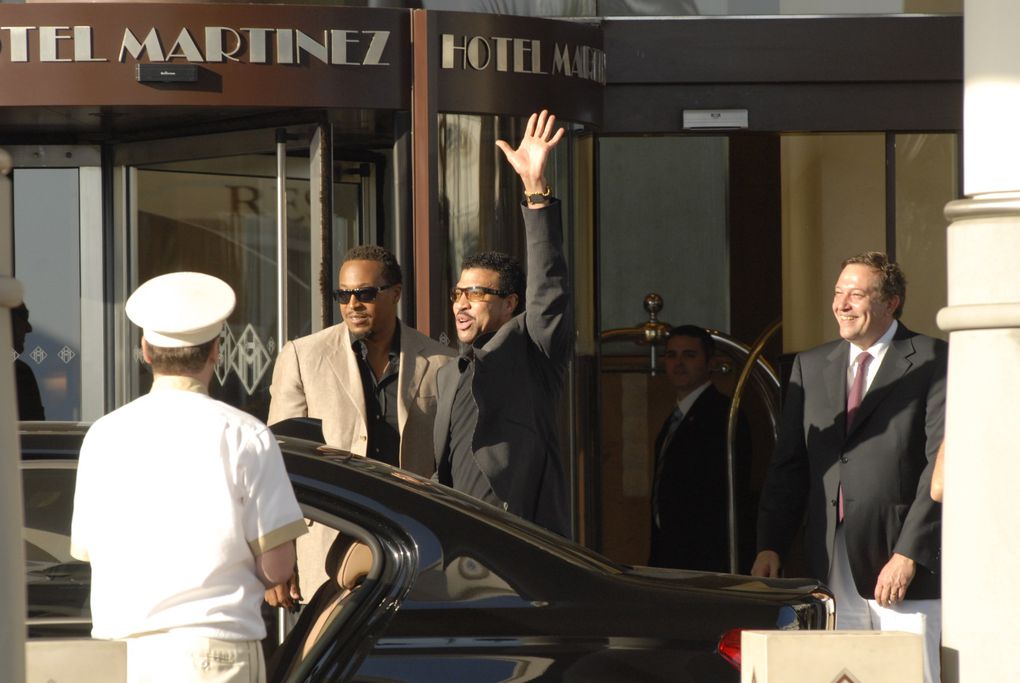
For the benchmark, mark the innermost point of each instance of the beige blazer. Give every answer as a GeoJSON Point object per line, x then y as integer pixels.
{"type": "Point", "coordinates": [317, 376]}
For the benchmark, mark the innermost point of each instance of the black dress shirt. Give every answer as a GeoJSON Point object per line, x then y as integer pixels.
{"type": "Point", "coordinates": [381, 401]}
{"type": "Point", "coordinates": [461, 470]}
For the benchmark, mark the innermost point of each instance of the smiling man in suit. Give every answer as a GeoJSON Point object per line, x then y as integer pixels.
{"type": "Point", "coordinates": [862, 421]}
{"type": "Point", "coordinates": [371, 380]}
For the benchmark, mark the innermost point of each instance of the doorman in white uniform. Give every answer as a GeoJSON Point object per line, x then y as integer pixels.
{"type": "Point", "coordinates": [183, 506]}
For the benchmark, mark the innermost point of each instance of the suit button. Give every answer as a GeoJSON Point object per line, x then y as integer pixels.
{"type": "Point", "coordinates": [833, 501]}
{"type": "Point", "coordinates": [842, 458]}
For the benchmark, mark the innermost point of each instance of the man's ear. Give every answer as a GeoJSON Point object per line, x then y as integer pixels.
{"type": "Point", "coordinates": [146, 353]}
{"type": "Point", "coordinates": [214, 353]}
{"type": "Point", "coordinates": [397, 289]}
{"type": "Point", "coordinates": [894, 303]}
{"type": "Point", "coordinates": [512, 300]}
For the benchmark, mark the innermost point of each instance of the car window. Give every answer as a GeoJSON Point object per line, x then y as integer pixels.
{"type": "Point", "coordinates": [58, 584]}
{"type": "Point", "coordinates": [49, 500]}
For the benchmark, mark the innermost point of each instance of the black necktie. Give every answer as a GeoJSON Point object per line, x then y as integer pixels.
{"type": "Point", "coordinates": [675, 418]}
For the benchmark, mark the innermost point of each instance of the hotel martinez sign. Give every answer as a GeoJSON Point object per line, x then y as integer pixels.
{"type": "Point", "coordinates": [126, 54]}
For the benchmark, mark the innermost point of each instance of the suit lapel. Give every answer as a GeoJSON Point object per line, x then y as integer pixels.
{"type": "Point", "coordinates": [446, 386]}
{"type": "Point", "coordinates": [834, 377]}
{"type": "Point", "coordinates": [411, 372]}
{"type": "Point", "coordinates": [894, 365]}
{"type": "Point", "coordinates": [340, 357]}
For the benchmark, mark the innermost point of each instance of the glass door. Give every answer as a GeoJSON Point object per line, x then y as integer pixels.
{"type": "Point", "coordinates": [54, 201]}
{"type": "Point", "coordinates": [216, 204]}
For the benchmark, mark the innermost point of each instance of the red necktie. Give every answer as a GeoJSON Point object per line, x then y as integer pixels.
{"type": "Point", "coordinates": [853, 402]}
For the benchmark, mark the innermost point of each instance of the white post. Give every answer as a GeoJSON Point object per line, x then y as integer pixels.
{"type": "Point", "coordinates": [12, 559]}
{"type": "Point", "coordinates": [980, 536]}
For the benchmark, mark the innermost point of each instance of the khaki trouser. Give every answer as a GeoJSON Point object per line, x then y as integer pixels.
{"type": "Point", "coordinates": [181, 658]}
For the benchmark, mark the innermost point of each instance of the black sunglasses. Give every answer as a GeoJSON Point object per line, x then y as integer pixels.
{"type": "Point", "coordinates": [474, 293]}
{"type": "Point", "coordinates": [363, 294]}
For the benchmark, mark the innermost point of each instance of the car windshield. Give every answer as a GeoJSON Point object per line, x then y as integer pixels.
{"type": "Point", "coordinates": [58, 584]}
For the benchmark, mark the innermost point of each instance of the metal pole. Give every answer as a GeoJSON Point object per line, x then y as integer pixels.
{"type": "Point", "coordinates": [281, 236]}
{"type": "Point", "coordinates": [731, 436]}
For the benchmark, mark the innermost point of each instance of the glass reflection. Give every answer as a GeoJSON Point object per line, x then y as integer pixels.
{"type": "Point", "coordinates": [463, 578]}
{"type": "Point", "coordinates": [219, 217]}
{"type": "Point", "coordinates": [47, 259]}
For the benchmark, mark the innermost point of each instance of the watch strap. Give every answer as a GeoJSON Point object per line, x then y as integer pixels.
{"type": "Point", "coordinates": [539, 197]}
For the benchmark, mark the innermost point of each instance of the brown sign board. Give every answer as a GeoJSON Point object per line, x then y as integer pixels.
{"type": "Point", "coordinates": [499, 64]}
{"type": "Point", "coordinates": [225, 55]}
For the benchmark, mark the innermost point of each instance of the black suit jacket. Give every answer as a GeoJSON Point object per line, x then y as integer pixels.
{"type": "Point", "coordinates": [517, 385]}
{"type": "Point", "coordinates": [884, 462]}
{"type": "Point", "coordinates": [691, 483]}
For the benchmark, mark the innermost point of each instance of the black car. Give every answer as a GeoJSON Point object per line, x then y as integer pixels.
{"type": "Point", "coordinates": [430, 585]}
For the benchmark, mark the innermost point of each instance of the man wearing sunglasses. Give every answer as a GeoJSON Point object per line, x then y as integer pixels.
{"type": "Point", "coordinates": [370, 379]}
{"type": "Point", "coordinates": [495, 433]}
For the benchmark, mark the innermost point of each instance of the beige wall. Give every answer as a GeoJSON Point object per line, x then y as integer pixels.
{"type": "Point", "coordinates": [834, 206]}
{"type": "Point", "coordinates": [833, 190]}
{"type": "Point", "coordinates": [926, 181]}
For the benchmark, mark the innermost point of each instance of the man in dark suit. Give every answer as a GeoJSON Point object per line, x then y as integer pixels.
{"type": "Point", "coordinates": [690, 504]}
{"type": "Point", "coordinates": [862, 422]}
{"type": "Point", "coordinates": [30, 405]}
{"type": "Point", "coordinates": [495, 432]}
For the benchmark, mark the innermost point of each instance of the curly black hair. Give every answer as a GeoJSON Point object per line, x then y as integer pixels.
{"type": "Point", "coordinates": [369, 252]}
{"type": "Point", "coordinates": [511, 275]}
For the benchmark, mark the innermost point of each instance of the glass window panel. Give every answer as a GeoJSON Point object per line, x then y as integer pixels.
{"type": "Point", "coordinates": [57, 584]}
{"type": "Point", "coordinates": [346, 228]}
{"type": "Point", "coordinates": [926, 180]}
{"type": "Point", "coordinates": [219, 217]}
{"type": "Point", "coordinates": [663, 229]}
{"type": "Point", "coordinates": [47, 261]}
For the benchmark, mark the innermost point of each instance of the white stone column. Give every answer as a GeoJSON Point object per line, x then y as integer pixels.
{"type": "Point", "coordinates": [981, 523]}
{"type": "Point", "coordinates": [12, 558]}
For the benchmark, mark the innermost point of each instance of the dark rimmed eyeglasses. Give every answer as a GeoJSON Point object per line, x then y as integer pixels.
{"type": "Point", "coordinates": [474, 293]}
{"type": "Point", "coordinates": [363, 294]}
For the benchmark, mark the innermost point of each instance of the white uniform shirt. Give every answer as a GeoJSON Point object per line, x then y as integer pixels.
{"type": "Point", "coordinates": [171, 524]}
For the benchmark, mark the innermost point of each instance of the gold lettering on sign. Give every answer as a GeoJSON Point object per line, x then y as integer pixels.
{"type": "Point", "coordinates": [48, 48]}
{"type": "Point", "coordinates": [214, 44]}
{"type": "Point", "coordinates": [185, 48]}
{"type": "Point", "coordinates": [83, 45]}
{"type": "Point", "coordinates": [479, 53]}
{"type": "Point", "coordinates": [151, 46]}
{"type": "Point", "coordinates": [18, 41]}
{"type": "Point", "coordinates": [375, 48]}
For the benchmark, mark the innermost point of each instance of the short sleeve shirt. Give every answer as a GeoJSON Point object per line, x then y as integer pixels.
{"type": "Point", "coordinates": [176, 493]}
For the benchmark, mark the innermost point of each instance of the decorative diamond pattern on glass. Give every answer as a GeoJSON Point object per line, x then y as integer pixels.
{"type": "Point", "coordinates": [66, 354]}
{"type": "Point", "coordinates": [250, 359]}
{"type": "Point", "coordinates": [224, 364]}
{"type": "Point", "coordinates": [39, 355]}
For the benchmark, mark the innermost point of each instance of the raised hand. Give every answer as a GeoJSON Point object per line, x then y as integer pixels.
{"type": "Point", "coordinates": [530, 156]}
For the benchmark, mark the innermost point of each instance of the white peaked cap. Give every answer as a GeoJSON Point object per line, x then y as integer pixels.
{"type": "Point", "coordinates": [181, 309]}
